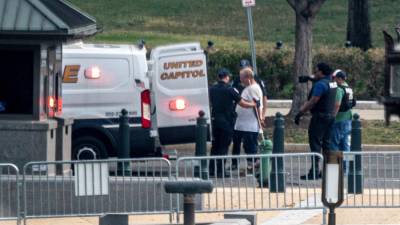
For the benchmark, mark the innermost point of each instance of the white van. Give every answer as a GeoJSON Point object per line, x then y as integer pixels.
{"type": "Point", "coordinates": [163, 96]}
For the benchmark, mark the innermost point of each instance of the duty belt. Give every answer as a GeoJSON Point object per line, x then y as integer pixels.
{"type": "Point", "coordinates": [323, 115]}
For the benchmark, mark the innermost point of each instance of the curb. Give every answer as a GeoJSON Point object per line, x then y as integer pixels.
{"type": "Point", "coordinates": [290, 147]}
{"type": "Point", "coordinates": [285, 103]}
{"type": "Point", "coordinates": [232, 222]}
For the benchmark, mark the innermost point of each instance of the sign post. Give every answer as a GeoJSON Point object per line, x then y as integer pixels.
{"type": "Point", "coordinates": [248, 4]}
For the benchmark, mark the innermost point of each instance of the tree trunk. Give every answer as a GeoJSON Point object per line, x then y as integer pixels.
{"type": "Point", "coordinates": [358, 25]}
{"type": "Point", "coordinates": [305, 10]}
{"type": "Point", "coordinates": [302, 60]}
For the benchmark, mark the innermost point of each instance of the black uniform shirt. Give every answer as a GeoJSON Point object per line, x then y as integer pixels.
{"type": "Point", "coordinates": [223, 99]}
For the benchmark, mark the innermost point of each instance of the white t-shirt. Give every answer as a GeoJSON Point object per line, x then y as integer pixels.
{"type": "Point", "coordinates": [246, 118]}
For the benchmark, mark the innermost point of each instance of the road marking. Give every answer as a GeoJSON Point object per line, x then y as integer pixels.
{"type": "Point", "coordinates": [291, 217]}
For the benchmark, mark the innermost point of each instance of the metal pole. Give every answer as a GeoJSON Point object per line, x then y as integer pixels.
{"type": "Point", "coordinates": [251, 39]}
{"type": "Point", "coordinates": [123, 150]}
{"type": "Point", "coordinates": [201, 135]}
{"type": "Point", "coordinates": [324, 212]}
{"type": "Point", "coordinates": [332, 216]}
{"type": "Point", "coordinates": [201, 144]}
{"type": "Point", "coordinates": [188, 209]}
{"type": "Point", "coordinates": [355, 184]}
{"type": "Point", "coordinates": [277, 174]}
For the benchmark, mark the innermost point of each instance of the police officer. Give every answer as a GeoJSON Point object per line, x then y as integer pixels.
{"type": "Point", "coordinates": [223, 99]}
{"type": "Point", "coordinates": [341, 129]}
{"type": "Point", "coordinates": [321, 103]}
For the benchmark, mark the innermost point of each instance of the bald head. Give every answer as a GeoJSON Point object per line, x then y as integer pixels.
{"type": "Point", "coordinates": [246, 76]}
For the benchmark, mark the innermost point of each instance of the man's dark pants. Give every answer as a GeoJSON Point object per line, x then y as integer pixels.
{"type": "Point", "coordinates": [222, 138]}
{"type": "Point", "coordinates": [319, 133]}
{"type": "Point", "coordinates": [249, 143]}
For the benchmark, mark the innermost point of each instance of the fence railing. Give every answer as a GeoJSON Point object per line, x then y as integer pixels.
{"type": "Point", "coordinates": [261, 182]}
{"type": "Point", "coordinates": [135, 186]}
{"type": "Point", "coordinates": [96, 187]}
{"type": "Point", "coordinates": [9, 192]}
{"type": "Point", "coordinates": [372, 180]}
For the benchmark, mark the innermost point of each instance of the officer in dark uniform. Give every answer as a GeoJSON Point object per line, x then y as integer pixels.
{"type": "Point", "coordinates": [321, 103]}
{"type": "Point", "coordinates": [223, 99]}
{"type": "Point", "coordinates": [237, 139]}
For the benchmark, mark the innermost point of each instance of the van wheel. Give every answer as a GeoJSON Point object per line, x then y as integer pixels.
{"type": "Point", "coordinates": [87, 147]}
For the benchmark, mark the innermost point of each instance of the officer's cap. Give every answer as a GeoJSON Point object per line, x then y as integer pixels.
{"type": "Point", "coordinates": [340, 74]}
{"type": "Point", "coordinates": [244, 63]}
{"type": "Point", "coordinates": [223, 72]}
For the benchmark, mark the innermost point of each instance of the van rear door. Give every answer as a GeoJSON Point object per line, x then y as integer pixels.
{"type": "Point", "coordinates": [180, 91]}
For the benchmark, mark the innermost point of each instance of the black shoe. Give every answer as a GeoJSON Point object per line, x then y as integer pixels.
{"type": "Point", "coordinates": [233, 167]}
{"type": "Point", "coordinates": [211, 174]}
{"type": "Point", "coordinates": [226, 175]}
{"type": "Point", "coordinates": [250, 169]}
{"type": "Point", "coordinates": [312, 176]}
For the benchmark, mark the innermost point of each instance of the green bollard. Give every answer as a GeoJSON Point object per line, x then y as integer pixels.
{"type": "Point", "coordinates": [124, 168]}
{"type": "Point", "coordinates": [265, 170]}
{"type": "Point", "coordinates": [201, 145]}
{"type": "Point", "coordinates": [277, 174]}
{"type": "Point", "coordinates": [355, 178]}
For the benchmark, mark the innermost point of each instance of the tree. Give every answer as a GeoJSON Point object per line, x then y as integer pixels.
{"type": "Point", "coordinates": [358, 26]}
{"type": "Point", "coordinates": [305, 10]}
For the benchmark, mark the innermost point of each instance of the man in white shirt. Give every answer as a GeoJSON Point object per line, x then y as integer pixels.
{"type": "Point", "coordinates": [247, 124]}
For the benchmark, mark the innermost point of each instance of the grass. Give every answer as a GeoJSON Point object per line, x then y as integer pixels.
{"type": "Point", "coordinates": [373, 132]}
{"type": "Point", "coordinates": [225, 21]}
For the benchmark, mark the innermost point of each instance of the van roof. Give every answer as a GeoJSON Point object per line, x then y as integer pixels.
{"type": "Point", "coordinates": [103, 49]}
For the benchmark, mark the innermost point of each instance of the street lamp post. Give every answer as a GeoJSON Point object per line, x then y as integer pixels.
{"type": "Point", "coordinates": [332, 183]}
{"type": "Point", "coordinates": [248, 4]}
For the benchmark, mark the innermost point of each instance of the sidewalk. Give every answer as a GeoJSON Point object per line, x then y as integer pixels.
{"type": "Point", "coordinates": [365, 114]}
{"type": "Point", "coordinates": [361, 105]}
{"type": "Point", "coordinates": [370, 216]}
{"type": "Point", "coordinates": [368, 110]}
{"type": "Point", "coordinates": [291, 148]}
{"type": "Point", "coordinates": [344, 216]}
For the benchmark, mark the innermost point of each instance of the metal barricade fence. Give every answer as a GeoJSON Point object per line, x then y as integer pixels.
{"type": "Point", "coordinates": [135, 186]}
{"type": "Point", "coordinates": [260, 183]}
{"type": "Point", "coordinates": [9, 192]}
{"type": "Point", "coordinates": [372, 180]}
{"type": "Point", "coordinates": [96, 187]}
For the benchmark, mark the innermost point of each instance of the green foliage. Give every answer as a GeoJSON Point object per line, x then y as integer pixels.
{"type": "Point", "coordinates": [375, 132]}
{"type": "Point", "coordinates": [162, 22]}
{"type": "Point", "coordinates": [198, 19]}
{"type": "Point", "coordinates": [364, 69]}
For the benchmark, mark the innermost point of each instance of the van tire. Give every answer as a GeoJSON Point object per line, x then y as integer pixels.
{"type": "Point", "coordinates": [89, 142]}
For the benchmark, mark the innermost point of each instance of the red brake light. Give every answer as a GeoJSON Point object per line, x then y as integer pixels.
{"type": "Point", "coordinates": [146, 116]}
{"type": "Point", "coordinates": [177, 104]}
{"type": "Point", "coordinates": [59, 104]}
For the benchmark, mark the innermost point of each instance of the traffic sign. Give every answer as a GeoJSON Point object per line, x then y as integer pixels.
{"type": "Point", "coordinates": [248, 3]}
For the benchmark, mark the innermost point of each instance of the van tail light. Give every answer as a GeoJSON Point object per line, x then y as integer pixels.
{"type": "Point", "coordinates": [59, 104]}
{"type": "Point", "coordinates": [146, 117]}
{"type": "Point", "coordinates": [177, 104]}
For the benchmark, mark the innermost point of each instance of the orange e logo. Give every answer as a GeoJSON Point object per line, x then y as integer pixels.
{"type": "Point", "coordinates": [70, 74]}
